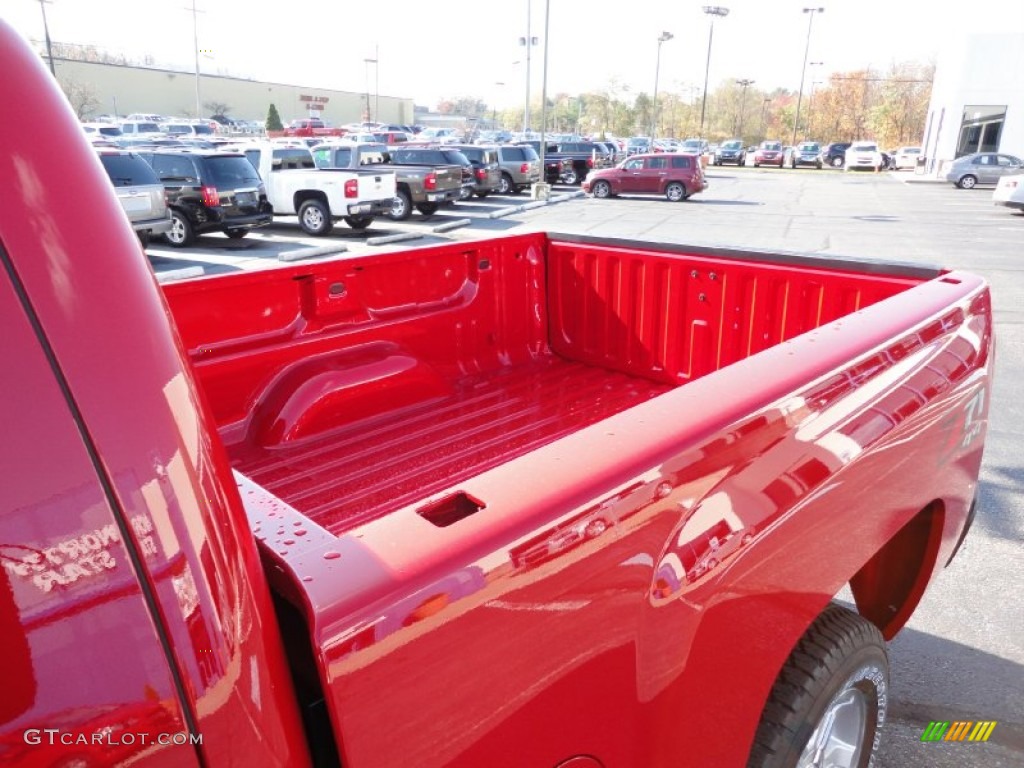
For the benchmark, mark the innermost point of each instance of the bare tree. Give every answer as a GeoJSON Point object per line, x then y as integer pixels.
{"type": "Point", "coordinates": [217, 107]}
{"type": "Point", "coordinates": [81, 96]}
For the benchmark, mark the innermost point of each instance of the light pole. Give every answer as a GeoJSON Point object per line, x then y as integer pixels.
{"type": "Point", "coordinates": [494, 109]}
{"type": "Point", "coordinates": [195, 42]}
{"type": "Point", "coordinates": [803, 71]}
{"type": "Point", "coordinates": [664, 37]}
{"type": "Point", "coordinates": [744, 84]}
{"type": "Point", "coordinates": [529, 42]}
{"type": "Point", "coordinates": [369, 114]}
{"type": "Point", "coordinates": [712, 11]}
{"type": "Point", "coordinates": [764, 107]}
{"type": "Point", "coordinates": [810, 101]}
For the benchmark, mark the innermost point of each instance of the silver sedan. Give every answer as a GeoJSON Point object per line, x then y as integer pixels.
{"type": "Point", "coordinates": [982, 168]}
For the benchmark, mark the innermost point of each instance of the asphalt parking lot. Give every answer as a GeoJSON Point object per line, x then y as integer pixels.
{"type": "Point", "coordinates": [962, 656]}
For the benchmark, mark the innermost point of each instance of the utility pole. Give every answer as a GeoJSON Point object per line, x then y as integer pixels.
{"type": "Point", "coordinates": [46, 33]}
{"type": "Point", "coordinates": [803, 71]}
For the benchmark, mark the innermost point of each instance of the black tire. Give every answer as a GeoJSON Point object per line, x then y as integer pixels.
{"type": "Point", "coordinates": [968, 182]}
{"type": "Point", "coordinates": [181, 233]}
{"type": "Point", "coordinates": [506, 186]}
{"type": "Point", "coordinates": [359, 222]}
{"type": "Point", "coordinates": [601, 189]}
{"type": "Point", "coordinates": [832, 695]}
{"type": "Point", "coordinates": [836, 162]}
{"type": "Point", "coordinates": [427, 209]}
{"type": "Point", "coordinates": [482, 195]}
{"type": "Point", "coordinates": [570, 177]}
{"type": "Point", "coordinates": [315, 218]}
{"type": "Point", "coordinates": [401, 206]}
{"type": "Point", "coordinates": [143, 235]}
{"type": "Point", "coordinates": [757, 165]}
{"type": "Point", "coordinates": [675, 191]}
{"type": "Point", "coordinates": [236, 234]}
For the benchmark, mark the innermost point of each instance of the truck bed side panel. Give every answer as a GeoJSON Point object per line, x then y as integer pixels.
{"type": "Point", "coordinates": [581, 589]}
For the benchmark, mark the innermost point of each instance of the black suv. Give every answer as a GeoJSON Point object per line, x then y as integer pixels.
{"type": "Point", "coordinates": [210, 191]}
{"type": "Point", "coordinates": [835, 154]}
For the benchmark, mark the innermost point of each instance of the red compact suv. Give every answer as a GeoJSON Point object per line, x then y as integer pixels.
{"type": "Point", "coordinates": [769, 153]}
{"type": "Point", "coordinates": [676, 176]}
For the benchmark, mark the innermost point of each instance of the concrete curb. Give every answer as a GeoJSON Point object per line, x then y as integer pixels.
{"type": "Point", "coordinates": [311, 252]}
{"type": "Point", "coordinates": [531, 206]}
{"type": "Point", "coordinates": [536, 204]}
{"type": "Point", "coordinates": [385, 239]}
{"type": "Point", "coordinates": [184, 273]}
{"type": "Point", "coordinates": [451, 225]}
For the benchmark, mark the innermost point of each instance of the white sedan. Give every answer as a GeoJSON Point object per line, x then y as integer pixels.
{"type": "Point", "coordinates": [1010, 192]}
{"type": "Point", "coordinates": [864, 154]}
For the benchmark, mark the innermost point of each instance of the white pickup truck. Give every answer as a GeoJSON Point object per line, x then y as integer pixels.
{"type": "Point", "coordinates": [295, 187]}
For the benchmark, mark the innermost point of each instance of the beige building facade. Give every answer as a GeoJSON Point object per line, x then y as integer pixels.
{"type": "Point", "coordinates": [122, 90]}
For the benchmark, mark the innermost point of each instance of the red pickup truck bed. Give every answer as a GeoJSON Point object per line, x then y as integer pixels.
{"type": "Point", "coordinates": [423, 370]}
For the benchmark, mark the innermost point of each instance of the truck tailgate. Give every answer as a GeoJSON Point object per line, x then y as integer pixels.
{"type": "Point", "coordinates": [375, 184]}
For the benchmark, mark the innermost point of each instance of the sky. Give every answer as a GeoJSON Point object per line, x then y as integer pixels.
{"type": "Point", "coordinates": [428, 50]}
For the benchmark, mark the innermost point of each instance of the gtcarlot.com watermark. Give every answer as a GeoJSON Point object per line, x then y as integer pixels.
{"type": "Point", "coordinates": [109, 738]}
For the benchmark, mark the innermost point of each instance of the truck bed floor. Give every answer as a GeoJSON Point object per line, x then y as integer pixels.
{"type": "Point", "coordinates": [363, 470]}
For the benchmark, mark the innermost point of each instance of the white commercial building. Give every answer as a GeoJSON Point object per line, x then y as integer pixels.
{"type": "Point", "coordinates": [977, 100]}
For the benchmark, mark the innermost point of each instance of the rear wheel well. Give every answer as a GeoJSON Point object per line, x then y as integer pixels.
{"type": "Point", "coordinates": [310, 194]}
{"type": "Point", "coordinates": [889, 586]}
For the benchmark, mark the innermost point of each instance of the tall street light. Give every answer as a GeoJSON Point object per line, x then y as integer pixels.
{"type": "Point", "coordinates": [195, 43]}
{"type": "Point", "coordinates": [529, 42]}
{"type": "Point", "coordinates": [764, 107]}
{"type": "Point", "coordinates": [664, 37]}
{"type": "Point", "coordinates": [810, 101]}
{"type": "Point", "coordinates": [803, 71]}
{"type": "Point", "coordinates": [544, 106]}
{"type": "Point", "coordinates": [712, 11]}
{"type": "Point", "coordinates": [369, 114]}
{"type": "Point", "coordinates": [744, 84]}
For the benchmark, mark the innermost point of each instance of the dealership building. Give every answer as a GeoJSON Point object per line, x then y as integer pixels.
{"type": "Point", "coordinates": [121, 89]}
{"type": "Point", "coordinates": [977, 102]}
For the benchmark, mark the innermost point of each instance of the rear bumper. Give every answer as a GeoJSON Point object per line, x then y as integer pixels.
{"type": "Point", "coordinates": [370, 207]}
{"type": "Point", "coordinates": [440, 196]}
{"type": "Point", "coordinates": [252, 221]}
{"type": "Point", "coordinates": [153, 226]}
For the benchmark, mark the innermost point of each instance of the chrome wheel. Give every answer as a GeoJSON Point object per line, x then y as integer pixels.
{"type": "Point", "coordinates": [675, 192]}
{"type": "Point", "coordinates": [401, 206]}
{"type": "Point", "coordinates": [839, 736]}
{"type": "Point", "coordinates": [602, 189]}
{"type": "Point", "coordinates": [315, 218]}
{"type": "Point", "coordinates": [181, 234]}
